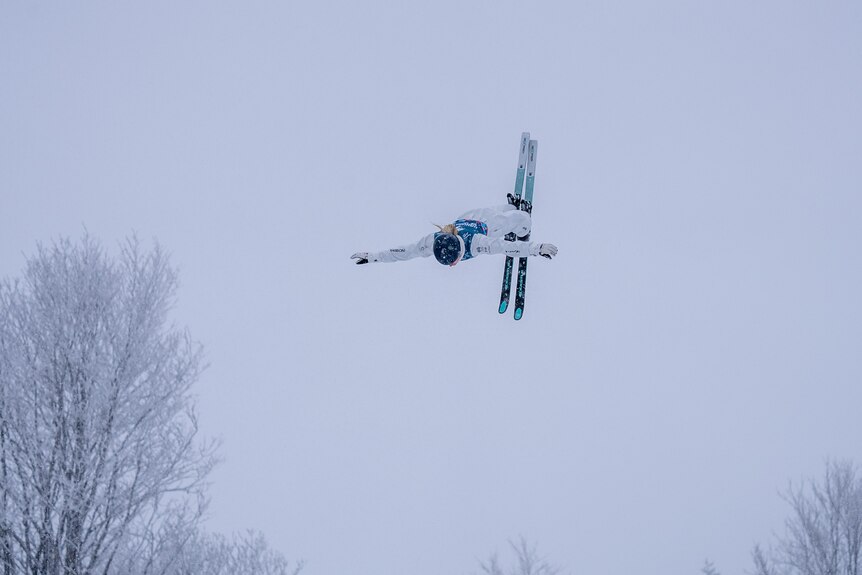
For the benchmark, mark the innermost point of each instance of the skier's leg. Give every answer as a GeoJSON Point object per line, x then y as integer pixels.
{"type": "Point", "coordinates": [517, 222]}
{"type": "Point", "coordinates": [501, 220]}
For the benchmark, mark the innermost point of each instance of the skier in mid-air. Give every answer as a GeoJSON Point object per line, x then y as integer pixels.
{"type": "Point", "coordinates": [481, 231]}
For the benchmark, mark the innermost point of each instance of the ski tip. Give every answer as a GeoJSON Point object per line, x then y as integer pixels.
{"type": "Point", "coordinates": [504, 305]}
{"type": "Point", "coordinates": [518, 313]}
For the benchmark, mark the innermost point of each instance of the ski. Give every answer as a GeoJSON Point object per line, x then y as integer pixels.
{"type": "Point", "coordinates": [519, 185]}
{"type": "Point", "coordinates": [527, 206]}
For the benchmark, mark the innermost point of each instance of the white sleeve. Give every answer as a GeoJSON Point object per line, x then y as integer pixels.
{"type": "Point", "coordinates": [423, 248]}
{"type": "Point", "coordinates": [486, 245]}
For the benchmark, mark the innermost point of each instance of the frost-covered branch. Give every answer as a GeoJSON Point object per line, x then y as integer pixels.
{"type": "Point", "coordinates": [823, 535]}
{"type": "Point", "coordinates": [526, 561]}
{"type": "Point", "coordinates": [98, 438]}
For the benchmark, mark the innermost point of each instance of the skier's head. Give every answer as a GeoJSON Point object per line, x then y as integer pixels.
{"type": "Point", "coordinates": [448, 248]}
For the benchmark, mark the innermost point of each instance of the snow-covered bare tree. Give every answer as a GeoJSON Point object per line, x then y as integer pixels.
{"type": "Point", "coordinates": [99, 456]}
{"type": "Point", "coordinates": [526, 561]}
{"type": "Point", "coordinates": [823, 535]}
{"type": "Point", "coordinates": [242, 554]}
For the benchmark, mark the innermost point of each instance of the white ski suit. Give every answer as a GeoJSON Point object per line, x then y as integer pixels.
{"type": "Point", "coordinates": [500, 220]}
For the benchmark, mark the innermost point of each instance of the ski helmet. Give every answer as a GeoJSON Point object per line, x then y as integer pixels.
{"type": "Point", "coordinates": [448, 248]}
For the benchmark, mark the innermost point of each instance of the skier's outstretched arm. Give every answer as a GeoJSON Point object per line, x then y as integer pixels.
{"type": "Point", "coordinates": [423, 248]}
{"type": "Point", "coordinates": [517, 249]}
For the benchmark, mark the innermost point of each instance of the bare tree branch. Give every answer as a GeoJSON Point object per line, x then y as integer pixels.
{"type": "Point", "coordinates": [823, 535]}
{"type": "Point", "coordinates": [98, 438]}
{"type": "Point", "coordinates": [527, 561]}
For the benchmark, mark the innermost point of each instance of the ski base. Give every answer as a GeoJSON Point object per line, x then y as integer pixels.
{"type": "Point", "coordinates": [523, 157]}
{"type": "Point", "coordinates": [524, 182]}
{"type": "Point", "coordinates": [527, 206]}
{"type": "Point", "coordinates": [507, 284]}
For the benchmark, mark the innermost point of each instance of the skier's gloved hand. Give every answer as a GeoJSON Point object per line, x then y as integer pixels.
{"type": "Point", "coordinates": [544, 250]}
{"type": "Point", "coordinates": [547, 250]}
{"type": "Point", "coordinates": [360, 257]}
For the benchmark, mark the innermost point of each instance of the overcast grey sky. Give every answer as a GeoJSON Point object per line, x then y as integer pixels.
{"type": "Point", "coordinates": [695, 344]}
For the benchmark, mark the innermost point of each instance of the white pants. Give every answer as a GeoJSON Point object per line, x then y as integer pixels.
{"type": "Point", "coordinates": [501, 220]}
